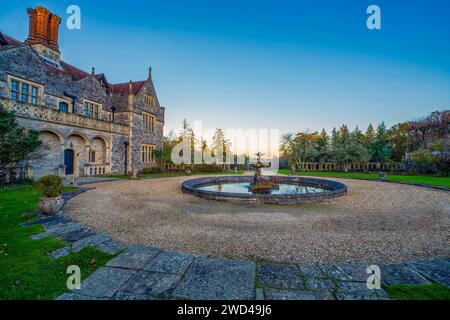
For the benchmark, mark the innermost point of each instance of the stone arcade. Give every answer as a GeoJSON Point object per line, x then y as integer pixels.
{"type": "Point", "coordinates": [88, 126]}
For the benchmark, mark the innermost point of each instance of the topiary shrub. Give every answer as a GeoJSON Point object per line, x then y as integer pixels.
{"type": "Point", "coordinates": [152, 170]}
{"type": "Point", "coordinates": [50, 186]}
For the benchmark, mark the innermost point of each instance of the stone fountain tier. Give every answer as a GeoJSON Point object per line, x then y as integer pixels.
{"type": "Point", "coordinates": [333, 189]}
{"type": "Point", "coordinates": [261, 184]}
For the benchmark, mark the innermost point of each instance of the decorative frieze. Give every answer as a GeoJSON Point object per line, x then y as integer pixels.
{"type": "Point", "coordinates": [38, 112]}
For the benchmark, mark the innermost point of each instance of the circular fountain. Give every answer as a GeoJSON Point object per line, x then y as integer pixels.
{"type": "Point", "coordinates": [264, 189]}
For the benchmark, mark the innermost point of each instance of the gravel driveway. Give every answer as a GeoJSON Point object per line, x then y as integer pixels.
{"type": "Point", "coordinates": [375, 223]}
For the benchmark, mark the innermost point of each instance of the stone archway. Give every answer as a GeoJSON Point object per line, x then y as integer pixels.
{"type": "Point", "coordinates": [100, 147]}
{"type": "Point", "coordinates": [48, 160]}
{"type": "Point", "coordinates": [79, 145]}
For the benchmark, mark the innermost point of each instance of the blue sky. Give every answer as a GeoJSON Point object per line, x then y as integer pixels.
{"type": "Point", "coordinates": [290, 65]}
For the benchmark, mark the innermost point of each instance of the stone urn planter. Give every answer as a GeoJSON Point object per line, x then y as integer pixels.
{"type": "Point", "coordinates": [51, 188]}
{"type": "Point", "coordinates": [51, 206]}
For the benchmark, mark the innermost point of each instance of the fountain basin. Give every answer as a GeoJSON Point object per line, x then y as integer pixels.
{"type": "Point", "coordinates": [291, 190]}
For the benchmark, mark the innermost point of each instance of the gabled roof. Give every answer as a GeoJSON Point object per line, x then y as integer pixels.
{"type": "Point", "coordinates": [7, 40]}
{"type": "Point", "coordinates": [120, 88]}
{"type": "Point", "coordinates": [74, 72]}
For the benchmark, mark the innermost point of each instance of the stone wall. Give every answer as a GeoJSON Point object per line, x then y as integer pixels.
{"type": "Point", "coordinates": [57, 137]}
{"type": "Point", "coordinates": [48, 156]}
{"type": "Point", "coordinates": [138, 135]}
{"type": "Point", "coordinates": [17, 62]}
{"type": "Point", "coordinates": [78, 133]}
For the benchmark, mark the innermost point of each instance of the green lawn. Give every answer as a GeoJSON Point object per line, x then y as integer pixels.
{"type": "Point", "coordinates": [419, 292]}
{"type": "Point", "coordinates": [26, 271]}
{"type": "Point", "coordinates": [173, 174]}
{"type": "Point", "coordinates": [426, 180]}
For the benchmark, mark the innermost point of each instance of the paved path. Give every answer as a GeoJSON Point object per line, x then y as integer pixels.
{"type": "Point", "coordinates": [144, 272]}
{"type": "Point", "coordinates": [79, 181]}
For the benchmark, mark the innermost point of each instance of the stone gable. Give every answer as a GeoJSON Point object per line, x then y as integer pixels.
{"type": "Point", "coordinates": [79, 145]}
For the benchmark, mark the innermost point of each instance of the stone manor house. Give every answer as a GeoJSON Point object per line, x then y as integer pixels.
{"type": "Point", "coordinates": [88, 126]}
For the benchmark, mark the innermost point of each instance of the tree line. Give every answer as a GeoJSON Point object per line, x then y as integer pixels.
{"type": "Point", "coordinates": [423, 142]}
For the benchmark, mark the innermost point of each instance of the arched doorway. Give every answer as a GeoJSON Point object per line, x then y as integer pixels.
{"type": "Point", "coordinates": [78, 144]}
{"type": "Point", "coordinates": [68, 161]}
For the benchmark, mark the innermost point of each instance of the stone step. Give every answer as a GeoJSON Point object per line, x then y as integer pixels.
{"type": "Point", "coordinates": [79, 245]}
{"type": "Point", "coordinates": [47, 221]}
{"type": "Point", "coordinates": [57, 230]}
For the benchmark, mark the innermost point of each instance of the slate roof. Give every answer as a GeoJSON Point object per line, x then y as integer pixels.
{"type": "Point", "coordinates": [7, 40]}
{"type": "Point", "coordinates": [121, 88]}
{"type": "Point", "coordinates": [74, 72]}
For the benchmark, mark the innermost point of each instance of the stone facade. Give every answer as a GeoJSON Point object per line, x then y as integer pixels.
{"type": "Point", "coordinates": [88, 126]}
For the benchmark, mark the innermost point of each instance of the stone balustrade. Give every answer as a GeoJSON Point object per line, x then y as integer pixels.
{"type": "Point", "coordinates": [364, 166]}
{"type": "Point", "coordinates": [92, 169]}
{"type": "Point", "coordinates": [42, 113]}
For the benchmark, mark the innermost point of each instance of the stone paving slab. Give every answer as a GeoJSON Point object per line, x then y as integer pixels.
{"type": "Point", "coordinates": [355, 272]}
{"type": "Point", "coordinates": [280, 275]}
{"type": "Point", "coordinates": [131, 296]}
{"type": "Point", "coordinates": [341, 296]}
{"type": "Point", "coordinates": [226, 279]}
{"type": "Point", "coordinates": [281, 294]}
{"type": "Point", "coordinates": [79, 245]}
{"type": "Point", "coordinates": [259, 294]}
{"type": "Point", "coordinates": [151, 283]}
{"type": "Point", "coordinates": [111, 246]}
{"type": "Point", "coordinates": [76, 235]}
{"type": "Point", "coordinates": [57, 230]}
{"type": "Point", "coordinates": [136, 257]}
{"type": "Point", "coordinates": [87, 180]}
{"type": "Point", "coordinates": [401, 274]}
{"type": "Point", "coordinates": [47, 221]}
{"type": "Point", "coordinates": [335, 272]}
{"type": "Point", "coordinates": [350, 290]}
{"type": "Point", "coordinates": [311, 270]}
{"type": "Point", "coordinates": [76, 296]}
{"type": "Point", "coordinates": [437, 270]}
{"type": "Point", "coordinates": [105, 282]}
{"type": "Point", "coordinates": [313, 284]}
{"type": "Point", "coordinates": [170, 262]}
{"type": "Point", "coordinates": [71, 194]}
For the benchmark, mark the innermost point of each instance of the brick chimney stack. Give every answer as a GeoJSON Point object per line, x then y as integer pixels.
{"type": "Point", "coordinates": [53, 27]}
{"type": "Point", "coordinates": [43, 32]}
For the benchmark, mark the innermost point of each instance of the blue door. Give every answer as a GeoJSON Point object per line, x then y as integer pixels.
{"type": "Point", "coordinates": [68, 161]}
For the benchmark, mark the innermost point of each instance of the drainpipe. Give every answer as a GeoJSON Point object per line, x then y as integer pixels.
{"type": "Point", "coordinates": [113, 109]}
{"type": "Point", "coordinates": [126, 144]}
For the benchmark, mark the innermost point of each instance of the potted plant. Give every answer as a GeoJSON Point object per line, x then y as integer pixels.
{"type": "Point", "coordinates": [51, 188]}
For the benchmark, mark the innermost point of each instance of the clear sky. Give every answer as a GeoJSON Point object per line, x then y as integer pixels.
{"type": "Point", "coordinates": [290, 65]}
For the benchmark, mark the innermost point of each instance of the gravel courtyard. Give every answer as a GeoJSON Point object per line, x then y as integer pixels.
{"type": "Point", "coordinates": [375, 223]}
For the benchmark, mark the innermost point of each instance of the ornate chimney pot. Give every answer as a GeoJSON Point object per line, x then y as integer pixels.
{"type": "Point", "coordinates": [43, 32]}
